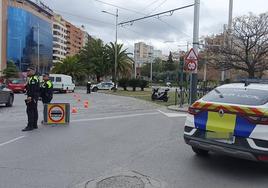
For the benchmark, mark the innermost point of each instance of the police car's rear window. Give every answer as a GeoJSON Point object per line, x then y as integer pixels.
{"type": "Point", "coordinates": [252, 97]}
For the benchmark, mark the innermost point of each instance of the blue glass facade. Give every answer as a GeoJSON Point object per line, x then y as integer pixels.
{"type": "Point", "coordinates": [24, 30]}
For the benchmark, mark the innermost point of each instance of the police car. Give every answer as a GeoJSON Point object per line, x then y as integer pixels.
{"type": "Point", "coordinates": [232, 119]}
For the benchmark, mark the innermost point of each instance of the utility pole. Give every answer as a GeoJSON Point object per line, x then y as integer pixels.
{"type": "Point", "coordinates": [193, 76]}
{"type": "Point", "coordinates": [115, 47]}
{"type": "Point", "coordinates": [229, 31]}
{"type": "Point", "coordinates": [230, 19]}
{"type": "Point", "coordinates": [115, 51]}
{"type": "Point", "coordinates": [151, 71]}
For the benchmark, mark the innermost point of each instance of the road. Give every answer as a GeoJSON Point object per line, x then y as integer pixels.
{"type": "Point", "coordinates": [114, 134]}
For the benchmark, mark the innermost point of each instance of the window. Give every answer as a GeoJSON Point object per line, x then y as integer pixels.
{"type": "Point", "coordinates": [52, 79]}
{"type": "Point", "coordinates": [58, 79]}
{"type": "Point", "coordinates": [241, 96]}
{"type": "Point", "coordinates": [18, 82]}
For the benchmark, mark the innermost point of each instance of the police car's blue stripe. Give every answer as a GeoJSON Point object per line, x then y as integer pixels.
{"type": "Point", "coordinates": [243, 127]}
{"type": "Point", "coordinates": [200, 120]}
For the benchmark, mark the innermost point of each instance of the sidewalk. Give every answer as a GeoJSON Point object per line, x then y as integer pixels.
{"type": "Point", "coordinates": [178, 109]}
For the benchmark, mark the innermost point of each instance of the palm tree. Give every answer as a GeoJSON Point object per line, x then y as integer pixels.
{"type": "Point", "coordinates": [72, 67]}
{"type": "Point", "coordinates": [94, 57]}
{"type": "Point", "coordinates": [124, 62]}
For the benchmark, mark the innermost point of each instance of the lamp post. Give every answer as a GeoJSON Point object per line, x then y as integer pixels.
{"type": "Point", "coordinates": [115, 48]}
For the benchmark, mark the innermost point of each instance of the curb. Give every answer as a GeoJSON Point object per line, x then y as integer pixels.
{"type": "Point", "coordinates": [178, 109]}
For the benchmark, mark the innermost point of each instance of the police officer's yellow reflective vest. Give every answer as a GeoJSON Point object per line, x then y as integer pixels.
{"type": "Point", "coordinates": [33, 78]}
{"type": "Point", "coordinates": [49, 84]}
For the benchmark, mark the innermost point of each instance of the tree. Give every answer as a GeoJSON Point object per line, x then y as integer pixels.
{"type": "Point", "coordinates": [246, 48]}
{"type": "Point", "coordinates": [124, 62]}
{"type": "Point", "coordinates": [95, 58]}
{"type": "Point", "coordinates": [170, 65]}
{"type": "Point", "coordinates": [72, 67]}
{"type": "Point", "coordinates": [157, 68]}
{"type": "Point", "coordinates": [11, 70]}
{"type": "Point", "coordinates": [146, 70]}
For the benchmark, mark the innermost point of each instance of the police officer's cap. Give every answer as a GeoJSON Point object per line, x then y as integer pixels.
{"type": "Point", "coordinates": [46, 74]}
{"type": "Point", "coordinates": [30, 69]}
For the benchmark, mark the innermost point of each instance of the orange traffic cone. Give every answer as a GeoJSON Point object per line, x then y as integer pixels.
{"type": "Point", "coordinates": [74, 110]}
{"type": "Point", "coordinates": [85, 104]}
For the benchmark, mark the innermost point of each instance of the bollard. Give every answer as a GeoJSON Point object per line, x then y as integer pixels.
{"type": "Point", "coordinates": [86, 104]}
{"type": "Point", "coordinates": [74, 110]}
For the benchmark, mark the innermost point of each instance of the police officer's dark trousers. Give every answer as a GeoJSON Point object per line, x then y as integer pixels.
{"type": "Point", "coordinates": [32, 113]}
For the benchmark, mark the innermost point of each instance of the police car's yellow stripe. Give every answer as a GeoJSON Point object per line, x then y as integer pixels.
{"type": "Point", "coordinates": [230, 108]}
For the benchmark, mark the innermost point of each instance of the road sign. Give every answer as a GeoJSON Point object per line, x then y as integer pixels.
{"type": "Point", "coordinates": [191, 61]}
{"type": "Point", "coordinates": [57, 113]}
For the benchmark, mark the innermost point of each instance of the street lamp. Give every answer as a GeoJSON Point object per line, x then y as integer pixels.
{"type": "Point", "coordinates": [115, 48]}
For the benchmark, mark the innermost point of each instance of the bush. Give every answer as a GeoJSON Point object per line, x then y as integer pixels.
{"type": "Point", "coordinates": [143, 84]}
{"type": "Point", "coordinates": [123, 82]}
{"type": "Point", "coordinates": [134, 83]}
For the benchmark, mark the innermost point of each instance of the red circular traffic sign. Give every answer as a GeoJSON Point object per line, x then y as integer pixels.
{"type": "Point", "coordinates": [56, 113]}
{"type": "Point", "coordinates": [191, 65]}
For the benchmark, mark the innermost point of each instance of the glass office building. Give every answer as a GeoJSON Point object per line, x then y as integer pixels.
{"type": "Point", "coordinates": [29, 40]}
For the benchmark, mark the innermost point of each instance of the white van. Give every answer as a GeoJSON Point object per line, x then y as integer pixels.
{"type": "Point", "coordinates": [62, 83]}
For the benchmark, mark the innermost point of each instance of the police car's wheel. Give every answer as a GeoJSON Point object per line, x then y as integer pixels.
{"type": "Point", "coordinates": [200, 152]}
{"type": "Point", "coordinates": [95, 89]}
{"type": "Point", "coordinates": [10, 101]}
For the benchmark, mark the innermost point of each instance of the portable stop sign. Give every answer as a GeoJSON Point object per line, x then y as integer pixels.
{"type": "Point", "coordinates": [57, 113]}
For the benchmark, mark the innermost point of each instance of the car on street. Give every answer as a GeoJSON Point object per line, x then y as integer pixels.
{"type": "Point", "coordinates": [62, 83]}
{"type": "Point", "coordinates": [232, 119]}
{"type": "Point", "coordinates": [17, 86]}
{"type": "Point", "coordinates": [103, 86]}
{"type": "Point", "coordinates": [6, 96]}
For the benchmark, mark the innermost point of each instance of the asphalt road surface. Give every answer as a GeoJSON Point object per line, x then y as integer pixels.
{"type": "Point", "coordinates": [113, 135]}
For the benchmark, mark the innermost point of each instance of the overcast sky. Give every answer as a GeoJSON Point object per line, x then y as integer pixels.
{"type": "Point", "coordinates": [177, 28]}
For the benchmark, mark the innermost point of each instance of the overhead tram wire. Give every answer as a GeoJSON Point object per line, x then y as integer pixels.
{"type": "Point", "coordinates": [83, 17]}
{"type": "Point", "coordinates": [146, 7]}
{"type": "Point", "coordinates": [141, 13]}
{"type": "Point", "coordinates": [163, 2]}
{"type": "Point", "coordinates": [156, 15]}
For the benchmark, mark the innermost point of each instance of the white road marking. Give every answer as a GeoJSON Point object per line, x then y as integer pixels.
{"type": "Point", "coordinates": [113, 117]}
{"type": "Point", "coordinates": [10, 141]}
{"type": "Point", "coordinates": [173, 114]}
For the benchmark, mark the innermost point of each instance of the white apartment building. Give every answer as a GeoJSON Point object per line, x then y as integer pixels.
{"type": "Point", "coordinates": [157, 54]}
{"type": "Point", "coordinates": [59, 39]}
{"type": "Point", "coordinates": [144, 53]}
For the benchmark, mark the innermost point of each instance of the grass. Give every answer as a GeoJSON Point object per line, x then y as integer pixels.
{"type": "Point", "coordinates": [143, 95]}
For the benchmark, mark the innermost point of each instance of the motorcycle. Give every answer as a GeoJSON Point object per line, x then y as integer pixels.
{"type": "Point", "coordinates": [160, 95]}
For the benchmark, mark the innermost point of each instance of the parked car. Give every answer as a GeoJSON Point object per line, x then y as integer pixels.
{"type": "Point", "coordinates": [232, 119]}
{"type": "Point", "coordinates": [17, 86]}
{"type": "Point", "coordinates": [103, 86]}
{"type": "Point", "coordinates": [62, 83]}
{"type": "Point", "coordinates": [6, 96]}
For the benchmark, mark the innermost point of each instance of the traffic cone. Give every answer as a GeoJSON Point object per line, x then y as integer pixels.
{"type": "Point", "coordinates": [74, 110]}
{"type": "Point", "coordinates": [86, 104]}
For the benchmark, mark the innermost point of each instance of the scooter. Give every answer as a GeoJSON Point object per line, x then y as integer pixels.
{"type": "Point", "coordinates": [160, 95]}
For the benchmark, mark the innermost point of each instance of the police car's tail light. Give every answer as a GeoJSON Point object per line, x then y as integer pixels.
{"type": "Point", "coordinates": [263, 157]}
{"type": "Point", "coordinates": [258, 120]}
{"type": "Point", "coordinates": [193, 111]}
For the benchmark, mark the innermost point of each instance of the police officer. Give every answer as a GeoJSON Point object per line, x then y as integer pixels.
{"type": "Point", "coordinates": [88, 87]}
{"type": "Point", "coordinates": [32, 92]}
{"type": "Point", "coordinates": [46, 89]}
